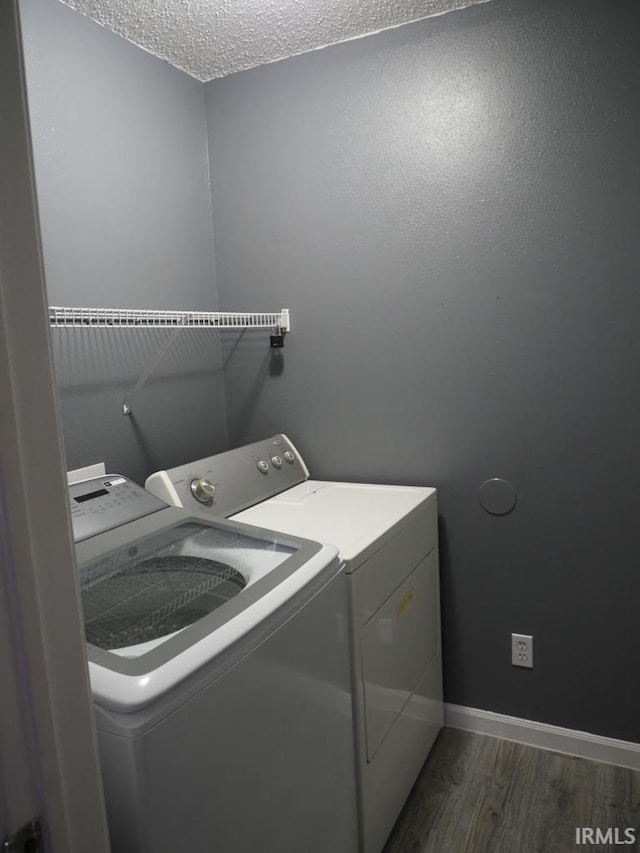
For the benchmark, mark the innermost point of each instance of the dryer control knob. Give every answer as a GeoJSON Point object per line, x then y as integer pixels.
{"type": "Point", "coordinates": [203, 490]}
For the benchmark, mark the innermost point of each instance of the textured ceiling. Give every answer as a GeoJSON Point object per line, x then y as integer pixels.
{"type": "Point", "coordinates": [212, 38]}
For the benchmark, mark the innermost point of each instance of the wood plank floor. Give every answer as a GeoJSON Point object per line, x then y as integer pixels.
{"type": "Point", "coordinates": [479, 794]}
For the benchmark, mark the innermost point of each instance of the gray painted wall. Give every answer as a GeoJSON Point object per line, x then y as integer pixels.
{"type": "Point", "coordinates": [123, 188]}
{"type": "Point", "coordinates": [450, 210]}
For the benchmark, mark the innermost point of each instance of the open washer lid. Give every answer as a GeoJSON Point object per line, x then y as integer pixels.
{"type": "Point", "coordinates": [165, 594]}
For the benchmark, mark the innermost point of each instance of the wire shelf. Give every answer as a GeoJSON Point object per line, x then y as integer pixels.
{"type": "Point", "coordinates": [138, 318]}
{"type": "Point", "coordinates": [106, 318]}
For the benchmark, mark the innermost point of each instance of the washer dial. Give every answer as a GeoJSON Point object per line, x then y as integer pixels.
{"type": "Point", "coordinates": [203, 490]}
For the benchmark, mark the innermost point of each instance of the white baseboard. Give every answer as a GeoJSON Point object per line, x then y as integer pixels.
{"type": "Point", "coordinates": [583, 744]}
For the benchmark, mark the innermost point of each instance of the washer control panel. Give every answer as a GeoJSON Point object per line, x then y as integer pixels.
{"type": "Point", "coordinates": [103, 503]}
{"type": "Point", "coordinates": [229, 482]}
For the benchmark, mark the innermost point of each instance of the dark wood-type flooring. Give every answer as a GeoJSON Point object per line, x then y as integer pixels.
{"type": "Point", "coordinates": [479, 794]}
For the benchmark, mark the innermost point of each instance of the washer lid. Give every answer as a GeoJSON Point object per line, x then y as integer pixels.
{"type": "Point", "coordinates": [165, 594]}
{"type": "Point", "coordinates": [356, 517]}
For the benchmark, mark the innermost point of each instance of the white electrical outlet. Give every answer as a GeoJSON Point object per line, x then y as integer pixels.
{"type": "Point", "coordinates": [522, 650]}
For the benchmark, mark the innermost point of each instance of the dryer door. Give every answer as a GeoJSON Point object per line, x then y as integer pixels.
{"type": "Point", "coordinates": [398, 644]}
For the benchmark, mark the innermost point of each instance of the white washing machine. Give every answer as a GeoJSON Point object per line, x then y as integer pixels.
{"type": "Point", "coordinates": [218, 665]}
{"type": "Point", "coordinates": [387, 538]}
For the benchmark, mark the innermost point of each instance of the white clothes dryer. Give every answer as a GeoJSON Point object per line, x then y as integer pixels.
{"type": "Point", "coordinates": [217, 660]}
{"type": "Point", "coordinates": [387, 538]}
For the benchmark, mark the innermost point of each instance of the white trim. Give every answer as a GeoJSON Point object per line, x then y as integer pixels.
{"type": "Point", "coordinates": [43, 666]}
{"type": "Point", "coordinates": [583, 744]}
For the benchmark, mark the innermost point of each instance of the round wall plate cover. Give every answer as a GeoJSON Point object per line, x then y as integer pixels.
{"type": "Point", "coordinates": [497, 496]}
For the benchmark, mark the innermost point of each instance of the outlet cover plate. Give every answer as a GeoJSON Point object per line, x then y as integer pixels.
{"type": "Point", "coordinates": [522, 650]}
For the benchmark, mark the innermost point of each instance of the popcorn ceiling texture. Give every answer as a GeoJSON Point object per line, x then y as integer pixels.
{"type": "Point", "coordinates": [213, 38]}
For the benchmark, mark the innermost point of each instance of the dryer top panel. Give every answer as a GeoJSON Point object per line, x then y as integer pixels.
{"type": "Point", "coordinates": [351, 516]}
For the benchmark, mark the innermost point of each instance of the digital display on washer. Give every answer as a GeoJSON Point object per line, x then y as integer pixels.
{"type": "Point", "coordinates": [81, 498]}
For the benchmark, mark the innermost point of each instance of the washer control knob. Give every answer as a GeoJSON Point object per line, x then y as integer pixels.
{"type": "Point", "coordinates": [263, 466]}
{"type": "Point", "coordinates": [276, 461]}
{"type": "Point", "coordinates": [203, 490]}
{"type": "Point", "coordinates": [288, 455]}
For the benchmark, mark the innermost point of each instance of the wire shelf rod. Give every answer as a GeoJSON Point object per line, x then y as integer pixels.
{"type": "Point", "coordinates": [105, 318]}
